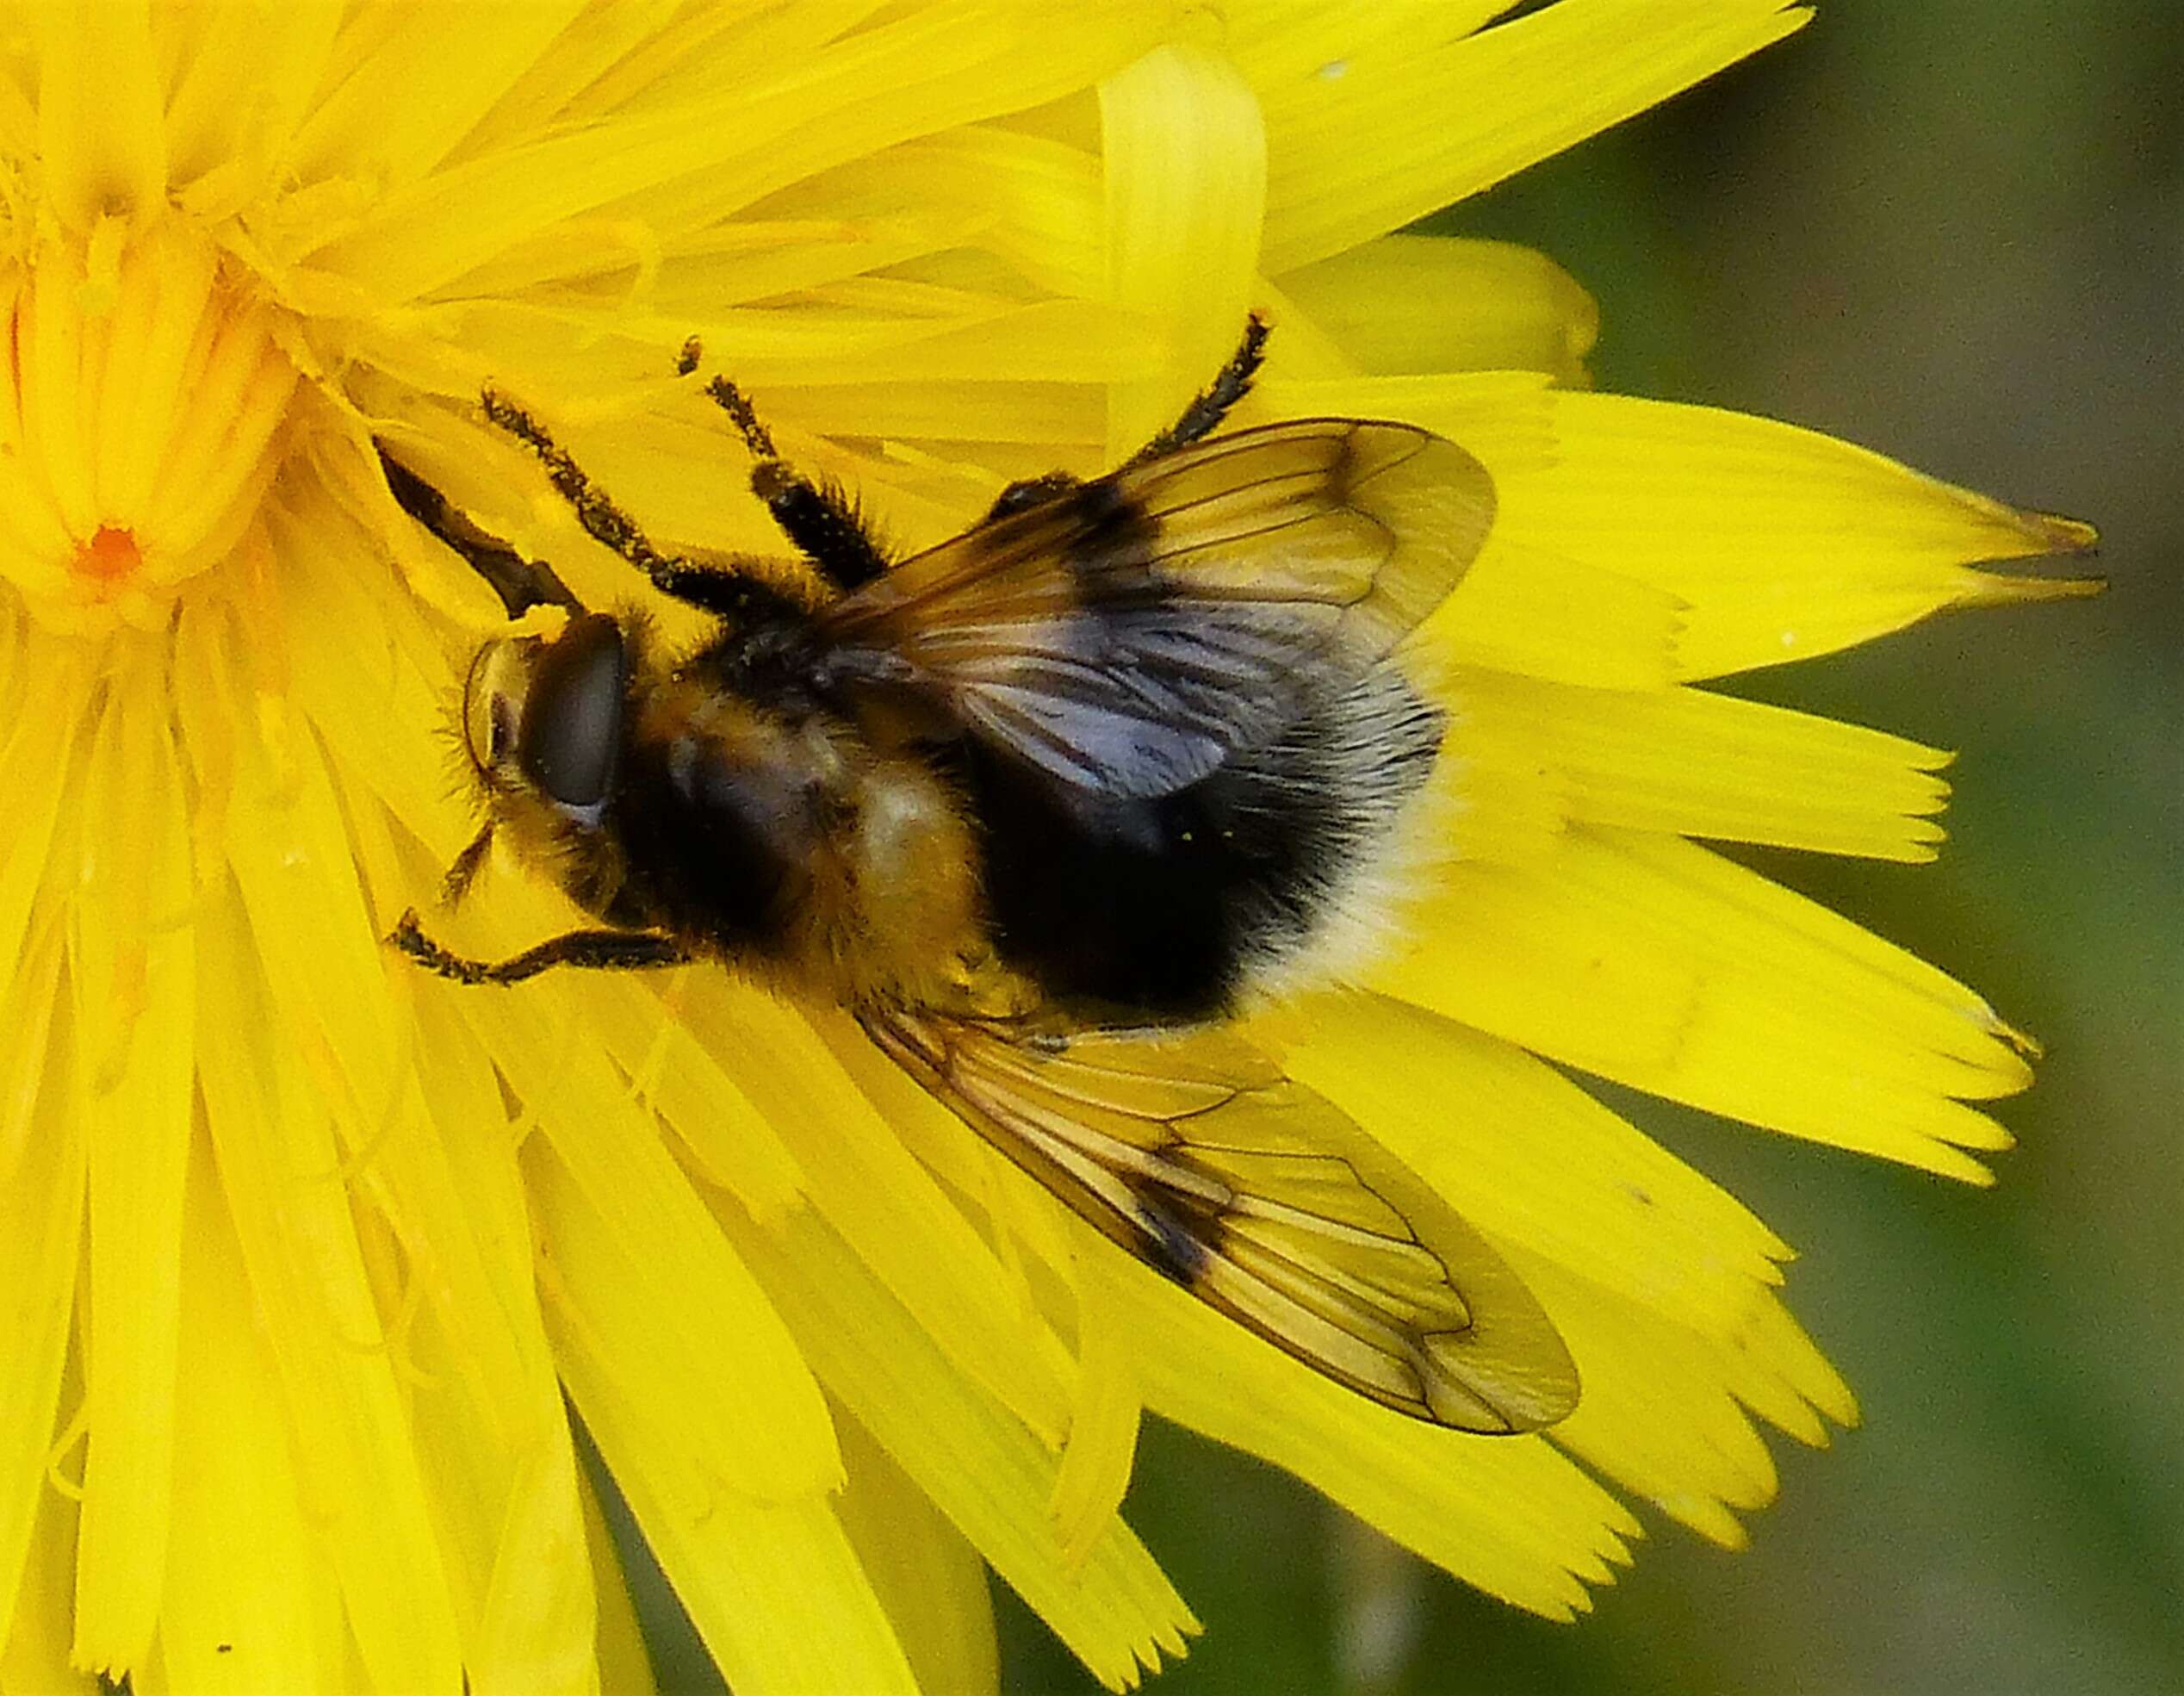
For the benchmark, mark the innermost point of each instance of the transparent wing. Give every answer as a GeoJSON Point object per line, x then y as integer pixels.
{"type": "Point", "coordinates": [1127, 634]}
{"type": "Point", "coordinates": [1194, 1152]}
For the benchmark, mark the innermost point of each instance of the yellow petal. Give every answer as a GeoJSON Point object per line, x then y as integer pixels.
{"type": "Point", "coordinates": [1525, 605]}
{"type": "Point", "coordinates": [706, 158]}
{"type": "Point", "coordinates": [250, 1601]}
{"type": "Point", "coordinates": [1186, 168]}
{"type": "Point", "coordinates": [493, 1430]}
{"type": "Point", "coordinates": [275, 48]}
{"type": "Point", "coordinates": [991, 1477]}
{"type": "Point", "coordinates": [624, 1665]}
{"type": "Point", "coordinates": [41, 1203]}
{"type": "Point", "coordinates": [1660, 964]}
{"type": "Point", "coordinates": [35, 1656]}
{"type": "Point", "coordinates": [1032, 201]}
{"type": "Point", "coordinates": [1102, 1445]}
{"type": "Point", "coordinates": [1523, 610]}
{"type": "Point", "coordinates": [279, 1168]}
{"type": "Point", "coordinates": [101, 138]}
{"type": "Point", "coordinates": [672, 1322]}
{"type": "Point", "coordinates": [132, 965]}
{"type": "Point", "coordinates": [1352, 159]}
{"type": "Point", "coordinates": [928, 1578]}
{"type": "Point", "coordinates": [33, 1000]}
{"type": "Point", "coordinates": [1704, 765]}
{"type": "Point", "coordinates": [1784, 543]}
{"type": "Point", "coordinates": [753, 1573]}
{"type": "Point", "coordinates": [1530, 1158]}
{"type": "Point", "coordinates": [1436, 303]}
{"type": "Point", "coordinates": [1655, 1415]}
{"type": "Point", "coordinates": [857, 1119]}
{"type": "Point", "coordinates": [423, 84]}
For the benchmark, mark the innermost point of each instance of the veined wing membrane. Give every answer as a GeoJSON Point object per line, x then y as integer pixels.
{"type": "Point", "coordinates": [1195, 1153]}
{"type": "Point", "coordinates": [1127, 635]}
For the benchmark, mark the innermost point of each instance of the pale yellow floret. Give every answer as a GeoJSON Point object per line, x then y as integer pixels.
{"type": "Point", "coordinates": [1665, 967]}
{"type": "Point", "coordinates": [989, 1474]}
{"type": "Point", "coordinates": [1699, 764]}
{"type": "Point", "coordinates": [624, 1663]}
{"type": "Point", "coordinates": [1102, 1443]}
{"type": "Point", "coordinates": [928, 1575]}
{"type": "Point", "coordinates": [1349, 159]}
{"type": "Point", "coordinates": [1783, 543]}
{"type": "Point", "coordinates": [1473, 306]}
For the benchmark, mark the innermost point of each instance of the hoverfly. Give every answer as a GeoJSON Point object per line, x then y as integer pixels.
{"type": "Point", "coordinates": [1044, 807]}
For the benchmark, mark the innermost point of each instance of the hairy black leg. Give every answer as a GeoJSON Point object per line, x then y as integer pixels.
{"type": "Point", "coordinates": [590, 950]}
{"type": "Point", "coordinates": [464, 871]}
{"type": "Point", "coordinates": [1207, 410]}
{"type": "Point", "coordinates": [717, 589]}
{"type": "Point", "coordinates": [821, 519]}
{"type": "Point", "coordinates": [1211, 404]}
{"type": "Point", "coordinates": [521, 583]}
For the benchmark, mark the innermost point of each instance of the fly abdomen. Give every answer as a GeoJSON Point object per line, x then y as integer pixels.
{"type": "Point", "coordinates": [1178, 905]}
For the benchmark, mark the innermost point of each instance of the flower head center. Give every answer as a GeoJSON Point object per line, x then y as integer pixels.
{"type": "Point", "coordinates": [141, 398]}
{"type": "Point", "coordinates": [108, 558]}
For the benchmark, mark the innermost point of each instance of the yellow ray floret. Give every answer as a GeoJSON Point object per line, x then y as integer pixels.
{"type": "Point", "coordinates": [1661, 965]}
{"type": "Point", "coordinates": [1352, 162]}
{"type": "Point", "coordinates": [1698, 764]}
{"type": "Point", "coordinates": [1782, 543]}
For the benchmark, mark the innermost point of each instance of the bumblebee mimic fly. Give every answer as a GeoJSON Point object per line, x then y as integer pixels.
{"type": "Point", "coordinates": [1045, 807]}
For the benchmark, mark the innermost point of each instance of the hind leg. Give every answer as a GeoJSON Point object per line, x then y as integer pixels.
{"type": "Point", "coordinates": [1207, 410]}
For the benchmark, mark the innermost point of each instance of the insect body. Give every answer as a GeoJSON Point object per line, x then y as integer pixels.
{"type": "Point", "coordinates": [1045, 807]}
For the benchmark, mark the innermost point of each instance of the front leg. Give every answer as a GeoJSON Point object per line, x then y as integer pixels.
{"type": "Point", "coordinates": [592, 950]}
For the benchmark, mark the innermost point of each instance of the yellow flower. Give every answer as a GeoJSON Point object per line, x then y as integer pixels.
{"type": "Point", "coordinates": [301, 1252]}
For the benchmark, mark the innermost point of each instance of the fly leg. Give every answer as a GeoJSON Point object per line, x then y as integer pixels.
{"type": "Point", "coordinates": [1210, 405]}
{"type": "Point", "coordinates": [722, 589]}
{"type": "Point", "coordinates": [590, 950]}
{"type": "Point", "coordinates": [822, 519]}
{"type": "Point", "coordinates": [1207, 409]}
{"type": "Point", "coordinates": [521, 583]}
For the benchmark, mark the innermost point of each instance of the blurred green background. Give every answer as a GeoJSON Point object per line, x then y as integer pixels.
{"type": "Point", "coordinates": [1953, 230]}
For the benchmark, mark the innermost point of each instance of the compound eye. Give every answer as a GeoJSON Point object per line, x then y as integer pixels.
{"type": "Point", "coordinates": [571, 731]}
